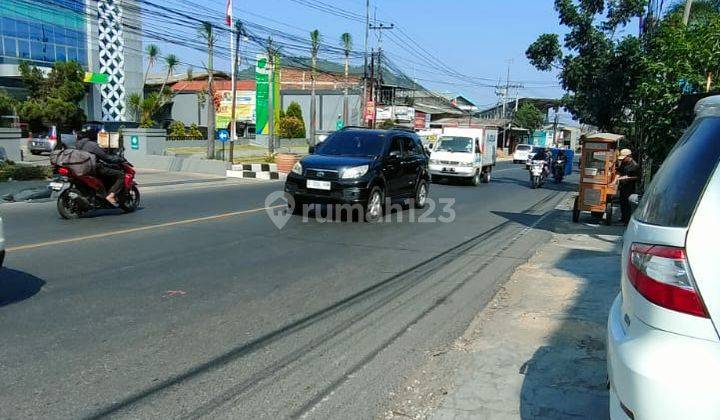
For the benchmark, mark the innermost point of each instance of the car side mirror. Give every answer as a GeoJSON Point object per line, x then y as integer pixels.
{"type": "Point", "coordinates": [634, 199]}
{"type": "Point", "coordinates": [311, 150]}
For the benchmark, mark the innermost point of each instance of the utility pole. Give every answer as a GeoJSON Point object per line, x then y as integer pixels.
{"type": "Point", "coordinates": [507, 90]}
{"type": "Point", "coordinates": [363, 106]}
{"type": "Point", "coordinates": [233, 129]}
{"type": "Point", "coordinates": [271, 92]}
{"type": "Point", "coordinates": [380, 28]}
{"type": "Point", "coordinates": [372, 87]}
{"type": "Point", "coordinates": [503, 92]}
{"type": "Point", "coordinates": [555, 125]}
{"type": "Point", "coordinates": [210, 95]}
{"type": "Point", "coordinates": [686, 15]}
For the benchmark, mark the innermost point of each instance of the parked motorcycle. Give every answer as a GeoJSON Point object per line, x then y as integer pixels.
{"type": "Point", "coordinates": [538, 173]}
{"type": "Point", "coordinates": [559, 170]}
{"type": "Point", "coordinates": [81, 194]}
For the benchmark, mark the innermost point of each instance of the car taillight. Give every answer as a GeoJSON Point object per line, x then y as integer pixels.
{"type": "Point", "coordinates": [63, 171]}
{"type": "Point", "coordinates": [662, 275]}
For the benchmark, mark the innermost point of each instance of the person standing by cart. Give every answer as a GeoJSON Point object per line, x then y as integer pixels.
{"type": "Point", "coordinates": [629, 172]}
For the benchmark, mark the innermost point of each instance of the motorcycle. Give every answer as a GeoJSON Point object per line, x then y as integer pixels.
{"type": "Point", "coordinates": [559, 170]}
{"type": "Point", "coordinates": [81, 194]}
{"type": "Point", "coordinates": [538, 173]}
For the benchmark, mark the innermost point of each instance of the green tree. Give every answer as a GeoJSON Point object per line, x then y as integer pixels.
{"type": "Point", "coordinates": [597, 70]}
{"type": "Point", "coordinates": [701, 13]}
{"type": "Point", "coordinates": [7, 104]}
{"type": "Point", "coordinates": [292, 125]}
{"type": "Point", "coordinates": [152, 52]}
{"type": "Point", "coordinates": [529, 117]}
{"type": "Point", "coordinates": [632, 85]}
{"type": "Point", "coordinates": [674, 53]}
{"type": "Point", "coordinates": [171, 62]}
{"type": "Point", "coordinates": [294, 110]}
{"type": "Point", "coordinates": [53, 100]}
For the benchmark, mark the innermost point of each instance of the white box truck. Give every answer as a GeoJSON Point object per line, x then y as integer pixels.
{"type": "Point", "coordinates": [464, 153]}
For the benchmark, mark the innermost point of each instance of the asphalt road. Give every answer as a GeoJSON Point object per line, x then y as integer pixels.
{"type": "Point", "coordinates": [197, 305]}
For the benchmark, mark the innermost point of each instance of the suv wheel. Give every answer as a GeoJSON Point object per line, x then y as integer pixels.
{"type": "Point", "coordinates": [374, 207]}
{"type": "Point", "coordinates": [421, 194]}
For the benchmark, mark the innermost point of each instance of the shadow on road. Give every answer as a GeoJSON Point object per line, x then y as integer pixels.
{"type": "Point", "coordinates": [566, 377]}
{"type": "Point", "coordinates": [16, 286]}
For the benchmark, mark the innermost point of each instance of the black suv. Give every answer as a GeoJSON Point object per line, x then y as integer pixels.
{"type": "Point", "coordinates": [362, 166]}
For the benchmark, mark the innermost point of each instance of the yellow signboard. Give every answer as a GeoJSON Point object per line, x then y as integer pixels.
{"type": "Point", "coordinates": [244, 108]}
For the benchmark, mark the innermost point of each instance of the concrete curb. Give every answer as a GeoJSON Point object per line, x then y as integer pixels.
{"type": "Point", "coordinates": [264, 175]}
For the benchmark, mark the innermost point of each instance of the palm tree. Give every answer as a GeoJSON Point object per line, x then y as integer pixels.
{"type": "Point", "coordinates": [152, 52]}
{"type": "Point", "coordinates": [134, 100]}
{"type": "Point", "coordinates": [206, 32]}
{"type": "Point", "coordinates": [346, 43]}
{"type": "Point", "coordinates": [171, 62]}
{"type": "Point", "coordinates": [314, 48]}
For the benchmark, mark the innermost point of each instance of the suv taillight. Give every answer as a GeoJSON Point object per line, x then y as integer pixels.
{"type": "Point", "coordinates": [662, 275]}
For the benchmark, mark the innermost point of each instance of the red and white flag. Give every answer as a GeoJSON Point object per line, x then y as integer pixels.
{"type": "Point", "coordinates": [228, 13]}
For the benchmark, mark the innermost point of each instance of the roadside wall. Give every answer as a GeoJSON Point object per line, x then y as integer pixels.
{"type": "Point", "coordinates": [10, 143]}
{"type": "Point", "coordinates": [146, 148]}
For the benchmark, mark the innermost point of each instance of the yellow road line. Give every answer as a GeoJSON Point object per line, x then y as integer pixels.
{"type": "Point", "coordinates": [138, 229]}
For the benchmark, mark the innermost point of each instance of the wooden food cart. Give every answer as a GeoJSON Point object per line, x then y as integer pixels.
{"type": "Point", "coordinates": [598, 173]}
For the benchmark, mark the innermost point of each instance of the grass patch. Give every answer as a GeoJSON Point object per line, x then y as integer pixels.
{"type": "Point", "coordinates": [11, 171]}
{"type": "Point", "coordinates": [203, 150]}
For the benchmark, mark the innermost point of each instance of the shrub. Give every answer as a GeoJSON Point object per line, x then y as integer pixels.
{"type": "Point", "coordinates": [269, 157]}
{"type": "Point", "coordinates": [293, 110]}
{"type": "Point", "coordinates": [292, 128]}
{"type": "Point", "coordinates": [177, 129]}
{"type": "Point", "coordinates": [194, 132]}
{"type": "Point", "coordinates": [9, 170]}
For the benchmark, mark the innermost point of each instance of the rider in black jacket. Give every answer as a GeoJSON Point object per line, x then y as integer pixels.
{"type": "Point", "coordinates": [87, 141]}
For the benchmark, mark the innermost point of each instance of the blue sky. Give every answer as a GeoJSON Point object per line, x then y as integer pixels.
{"type": "Point", "coordinates": [472, 37]}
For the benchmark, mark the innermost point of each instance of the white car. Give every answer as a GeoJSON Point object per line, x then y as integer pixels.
{"type": "Point", "coordinates": [663, 347]}
{"type": "Point", "coordinates": [521, 153]}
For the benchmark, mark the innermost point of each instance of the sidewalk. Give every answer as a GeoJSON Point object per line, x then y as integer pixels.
{"type": "Point", "coordinates": [538, 350]}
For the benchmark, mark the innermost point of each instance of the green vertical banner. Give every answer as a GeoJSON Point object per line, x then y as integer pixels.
{"type": "Point", "coordinates": [261, 94]}
{"type": "Point", "coordinates": [276, 92]}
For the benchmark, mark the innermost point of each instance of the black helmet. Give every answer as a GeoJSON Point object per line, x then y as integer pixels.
{"type": "Point", "coordinates": [89, 133]}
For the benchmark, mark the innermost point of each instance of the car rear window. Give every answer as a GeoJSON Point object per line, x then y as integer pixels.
{"type": "Point", "coordinates": [523, 148]}
{"type": "Point", "coordinates": [676, 189]}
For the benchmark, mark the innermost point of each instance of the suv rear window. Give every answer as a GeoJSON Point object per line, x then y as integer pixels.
{"type": "Point", "coordinates": [523, 147]}
{"type": "Point", "coordinates": [675, 192]}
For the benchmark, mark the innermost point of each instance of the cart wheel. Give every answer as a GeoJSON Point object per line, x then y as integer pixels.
{"type": "Point", "coordinates": [597, 214]}
{"type": "Point", "coordinates": [576, 210]}
{"type": "Point", "coordinates": [608, 214]}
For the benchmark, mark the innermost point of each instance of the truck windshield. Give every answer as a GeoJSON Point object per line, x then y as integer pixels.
{"type": "Point", "coordinates": [454, 144]}
{"type": "Point", "coordinates": [352, 143]}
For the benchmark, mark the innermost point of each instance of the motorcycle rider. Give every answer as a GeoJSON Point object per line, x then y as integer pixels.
{"type": "Point", "coordinates": [545, 156]}
{"type": "Point", "coordinates": [560, 160]}
{"type": "Point", "coordinates": [87, 141]}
